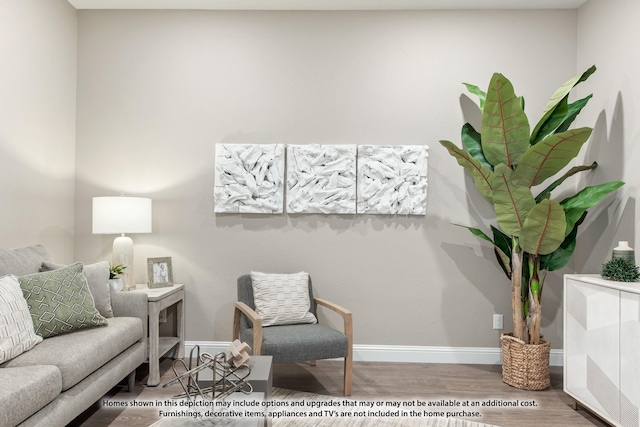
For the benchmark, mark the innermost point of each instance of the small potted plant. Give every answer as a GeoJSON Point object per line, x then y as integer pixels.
{"type": "Point", "coordinates": [620, 270]}
{"type": "Point", "coordinates": [114, 276]}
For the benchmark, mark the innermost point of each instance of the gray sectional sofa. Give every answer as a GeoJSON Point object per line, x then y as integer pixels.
{"type": "Point", "coordinates": [59, 378]}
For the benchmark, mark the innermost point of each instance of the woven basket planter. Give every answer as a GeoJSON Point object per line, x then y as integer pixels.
{"type": "Point", "coordinates": [525, 366]}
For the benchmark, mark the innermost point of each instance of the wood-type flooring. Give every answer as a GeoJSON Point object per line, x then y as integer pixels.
{"type": "Point", "coordinates": [381, 382]}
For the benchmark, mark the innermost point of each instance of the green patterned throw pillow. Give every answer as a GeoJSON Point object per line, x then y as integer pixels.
{"type": "Point", "coordinates": [60, 301]}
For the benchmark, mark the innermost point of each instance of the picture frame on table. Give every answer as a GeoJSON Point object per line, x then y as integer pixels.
{"type": "Point", "coordinates": [159, 272]}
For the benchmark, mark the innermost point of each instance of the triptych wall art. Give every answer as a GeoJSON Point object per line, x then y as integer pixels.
{"type": "Point", "coordinates": [249, 178]}
{"type": "Point", "coordinates": [325, 179]}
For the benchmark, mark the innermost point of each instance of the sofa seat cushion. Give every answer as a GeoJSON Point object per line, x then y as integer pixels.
{"type": "Point", "coordinates": [25, 390]}
{"type": "Point", "coordinates": [80, 353]}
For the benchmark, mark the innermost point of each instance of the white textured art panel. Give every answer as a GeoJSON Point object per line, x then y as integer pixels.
{"type": "Point", "coordinates": [321, 179]}
{"type": "Point", "coordinates": [392, 179]}
{"type": "Point", "coordinates": [249, 178]}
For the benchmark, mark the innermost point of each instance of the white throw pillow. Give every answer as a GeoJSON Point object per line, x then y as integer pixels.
{"type": "Point", "coordinates": [282, 299]}
{"type": "Point", "coordinates": [17, 334]}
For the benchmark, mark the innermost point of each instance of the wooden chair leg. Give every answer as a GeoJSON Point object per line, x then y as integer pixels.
{"type": "Point", "coordinates": [348, 374]}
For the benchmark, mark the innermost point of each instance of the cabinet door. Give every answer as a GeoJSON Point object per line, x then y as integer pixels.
{"type": "Point", "coordinates": [592, 340]}
{"type": "Point", "coordinates": [629, 359]}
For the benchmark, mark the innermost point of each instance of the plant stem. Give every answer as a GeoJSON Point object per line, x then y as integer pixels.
{"type": "Point", "coordinates": [535, 312]}
{"type": "Point", "coordinates": [516, 291]}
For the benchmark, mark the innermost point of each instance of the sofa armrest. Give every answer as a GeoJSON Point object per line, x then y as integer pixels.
{"type": "Point", "coordinates": [132, 304]}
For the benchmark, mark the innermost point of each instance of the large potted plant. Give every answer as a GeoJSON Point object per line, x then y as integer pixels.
{"type": "Point", "coordinates": [534, 233]}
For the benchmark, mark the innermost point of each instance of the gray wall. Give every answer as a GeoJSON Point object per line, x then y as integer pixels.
{"type": "Point", "coordinates": [37, 124]}
{"type": "Point", "coordinates": [607, 37]}
{"type": "Point", "coordinates": [157, 90]}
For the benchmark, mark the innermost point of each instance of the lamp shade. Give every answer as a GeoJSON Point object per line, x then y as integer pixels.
{"type": "Point", "coordinates": [118, 215]}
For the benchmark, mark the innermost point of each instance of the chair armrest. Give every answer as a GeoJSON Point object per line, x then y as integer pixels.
{"type": "Point", "coordinates": [331, 306]}
{"type": "Point", "coordinates": [242, 308]}
{"type": "Point", "coordinates": [132, 304]}
{"type": "Point", "coordinates": [348, 331]}
{"type": "Point", "coordinates": [346, 316]}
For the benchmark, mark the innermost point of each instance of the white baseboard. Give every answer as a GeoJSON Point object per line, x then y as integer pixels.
{"type": "Point", "coordinates": [406, 354]}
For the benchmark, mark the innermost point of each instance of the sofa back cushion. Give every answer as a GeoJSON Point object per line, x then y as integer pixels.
{"type": "Point", "coordinates": [23, 261]}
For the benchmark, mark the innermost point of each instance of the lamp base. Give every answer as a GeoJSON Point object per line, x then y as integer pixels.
{"type": "Point", "coordinates": [123, 255]}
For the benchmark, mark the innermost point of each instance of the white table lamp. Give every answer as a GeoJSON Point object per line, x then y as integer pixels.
{"type": "Point", "coordinates": [120, 215]}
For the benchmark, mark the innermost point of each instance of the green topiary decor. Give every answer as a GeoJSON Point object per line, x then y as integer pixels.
{"type": "Point", "coordinates": [620, 270]}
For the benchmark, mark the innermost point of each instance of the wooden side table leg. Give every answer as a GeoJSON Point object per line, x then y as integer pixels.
{"type": "Point", "coordinates": [154, 340]}
{"type": "Point", "coordinates": [179, 354]}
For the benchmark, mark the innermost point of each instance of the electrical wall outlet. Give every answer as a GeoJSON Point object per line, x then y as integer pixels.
{"type": "Point", "coordinates": [162, 318]}
{"type": "Point", "coordinates": [498, 321]}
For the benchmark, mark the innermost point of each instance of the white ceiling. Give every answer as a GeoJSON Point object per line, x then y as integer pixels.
{"type": "Point", "coordinates": [327, 4]}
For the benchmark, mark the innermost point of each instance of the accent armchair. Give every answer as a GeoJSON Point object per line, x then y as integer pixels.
{"type": "Point", "coordinates": [294, 342]}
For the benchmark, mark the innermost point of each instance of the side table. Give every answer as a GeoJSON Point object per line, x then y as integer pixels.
{"type": "Point", "coordinates": [159, 299]}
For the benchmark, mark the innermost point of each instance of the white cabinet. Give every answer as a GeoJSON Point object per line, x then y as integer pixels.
{"type": "Point", "coordinates": [602, 347]}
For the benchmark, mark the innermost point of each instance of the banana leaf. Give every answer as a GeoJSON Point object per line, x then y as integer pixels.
{"type": "Point", "coordinates": [574, 110]}
{"type": "Point", "coordinates": [543, 160]}
{"type": "Point", "coordinates": [587, 198]}
{"type": "Point", "coordinates": [472, 141]}
{"type": "Point", "coordinates": [561, 256]}
{"type": "Point", "coordinates": [543, 230]}
{"type": "Point", "coordinates": [560, 96]}
{"type": "Point", "coordinates": [546, 193]}
{"type": "Point", "coordinates": [481, 174]}
{"type": "Point", "coordinates": [512, 200]}
{"type": "Point", "coordinates": [502, 245]}
{"type": "Point", "coordinates": [561, 118]}
{"type": "Point", "coordinates": [482, 95]}
{"type": "Point", "coordinates": [505, 127]}
{"type": "Point", "coordinates": [476, 232]}
{"type": "Point", "coordinates": [552, 123]}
